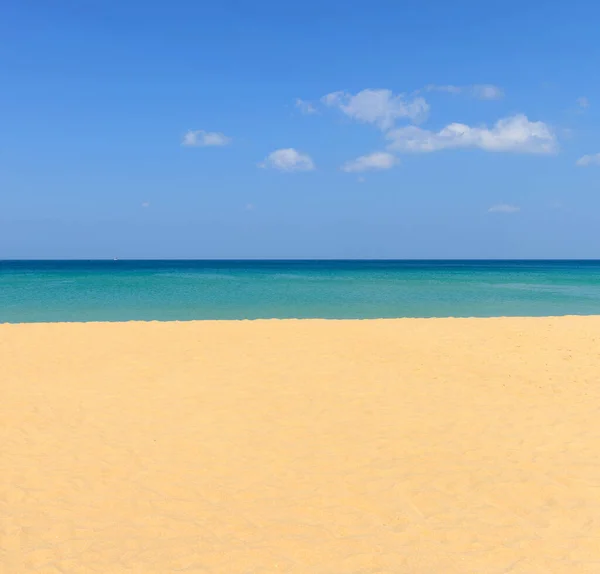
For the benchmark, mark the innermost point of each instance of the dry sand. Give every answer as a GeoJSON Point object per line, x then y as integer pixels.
{"type": "Point", "coordinates": [335, 447]}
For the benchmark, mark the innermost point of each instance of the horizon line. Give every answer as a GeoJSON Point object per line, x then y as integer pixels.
{"type": "Point", "coordinates": [294, 259]}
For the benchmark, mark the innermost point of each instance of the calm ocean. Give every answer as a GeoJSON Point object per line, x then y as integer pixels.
{"type": "Point", "coordinates": [32, 291]}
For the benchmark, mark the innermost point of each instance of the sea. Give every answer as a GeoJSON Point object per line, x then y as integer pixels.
{"type": "Point", "coordinates": [49, 291]}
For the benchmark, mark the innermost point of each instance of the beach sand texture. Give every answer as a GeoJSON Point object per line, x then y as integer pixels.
{"type": "Point", "coordinates": [434, 446]}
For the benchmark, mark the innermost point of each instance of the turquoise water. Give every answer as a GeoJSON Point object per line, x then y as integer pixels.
{"type": "Point", "coordinates": [32, 291]}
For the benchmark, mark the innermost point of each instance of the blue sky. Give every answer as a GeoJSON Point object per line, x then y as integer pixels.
{"type": "Point", "coordinates": [378, 129]}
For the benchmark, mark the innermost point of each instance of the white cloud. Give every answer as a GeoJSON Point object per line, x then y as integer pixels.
{"type": "Point", "coordinates": [376, 160]}
{"type": "Point", "coordinates": [512, 134]}
{"type": "Point", "coordinates": [379, 107]}
{"type": "Point", "coordinates": [583, 102]}
{"type": "Point", "coordinates": [590, 159]}
{"type": "Point", "coordinates": [200, 138]}
{"type": "Point", "coordinates": [479, 91]}
{"type": "Point", "coordinates": [146, 204]}
{"type": "Point", "coordinates": [288, 159]}
{"type": "Point", "coordinates": [305, 107]}
{"type": "Point", "coordinates": [332, 99]}
{"type": "Point", "coordinates": [504, 208]}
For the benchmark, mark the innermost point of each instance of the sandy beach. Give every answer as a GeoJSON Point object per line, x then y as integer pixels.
{"type": "Point", "coordinates": [433, 446]}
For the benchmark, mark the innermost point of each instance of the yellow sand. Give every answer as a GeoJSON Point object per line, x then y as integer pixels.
{"type": "Point", "coordinates": [315, 447]}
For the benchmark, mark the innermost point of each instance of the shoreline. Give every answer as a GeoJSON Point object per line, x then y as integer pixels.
{"type": "Point", "coordinates": [304, 320]}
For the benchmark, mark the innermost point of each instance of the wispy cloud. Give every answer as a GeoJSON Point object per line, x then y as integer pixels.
{"type": "Point", "coordinates": [479, 91]}
{"type": "Point", "coordinates": [305, 107]}
{"type": "Point", "coordinates": [583, 102]}
{"type": "Point", "coordinates": [590, 159]}
{"type": "Point", "coordinates": [448, 88]}
{"type": "Point", "coordinates": [288, 159]}
{"type": "Point", "coordinates": [512, 134]}
{"type": "Point", "coordinates": [504, 208]}
{"type": "Point", "coordinates": [379, 107]}
{"type": "Point", "coordinates": [200, 138]}
{"type": "Point", "coordinates": [487, 92]}
{"type": "Point", "coordinates": [373, 161]}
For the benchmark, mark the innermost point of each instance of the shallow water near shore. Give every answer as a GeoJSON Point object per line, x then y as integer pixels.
{"type": "Point", "coordinates": [49, 291]}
